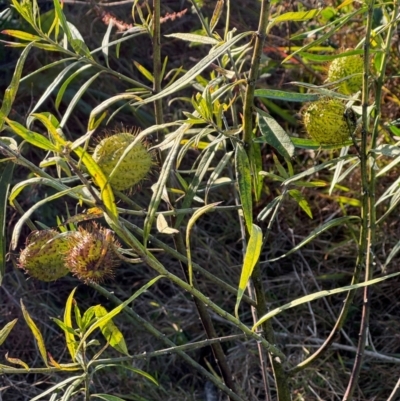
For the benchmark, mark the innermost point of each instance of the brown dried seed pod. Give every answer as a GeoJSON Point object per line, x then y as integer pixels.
{"type": "Point", "coordinates": [135, 166]}
{"type": "Point", "coordinates": [91, 256]}
{"type": "Point", "coordinates": [43, 256]}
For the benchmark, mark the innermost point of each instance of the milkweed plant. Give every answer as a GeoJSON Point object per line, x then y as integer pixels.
{"type": "Point", "coordinates": [232, 122]}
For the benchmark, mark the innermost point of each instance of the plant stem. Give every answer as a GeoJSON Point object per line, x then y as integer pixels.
{"type": "Point", "coordinates": [367, 232]}
{"type": "Point", "coordinates": [261, 308]}
{"type": "Point", "coordinates": [160, 336]}
{"type": "Point", "coordinates": [158, 104]}
{"type": "Point", "coordinates": [157, 243]}
{"type": "Point", "coordinates": [152, 262]}
{"type": "Point", "coordinates": [206, 321]}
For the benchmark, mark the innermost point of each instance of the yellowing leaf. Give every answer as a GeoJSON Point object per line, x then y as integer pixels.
{"type": "Point", "coordinates": [110, 331]}
{"type": "Point", "coordinates": [250, 259]}
{"type": "Point", "coordinates": [5, 331]}
{"type": "Point", "coordinates": [69, 336]}
{"type": "Point", "coordinates": [36, 333]}
{"type": "Point", "coordinates": [17, 361]}
{"type": "Point", "coordinates": [191, 222]}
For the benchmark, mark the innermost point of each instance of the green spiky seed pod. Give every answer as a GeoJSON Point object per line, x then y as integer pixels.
{"type": "Point", "coordinates": [134, 167]}
{"type": "Point", "coordinates": [325, 121]}
{"type": "Point", "coordinates": [344, 67]}
{"type": "Point", "coordinates": [91, 255]}
{"type": "Point", "coordinates": [43, 256]}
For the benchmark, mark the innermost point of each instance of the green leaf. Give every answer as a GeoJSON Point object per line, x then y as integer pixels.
{"type": "Point", "coordinates": [218, 171]}
{"type": "Point", "coordinates": [286, 96]}
{"type": "Point", "coordinates": [335, 27]}
{"type": "Point", "coordinates": [243, 176]}
{"type": "Point", "coordinates": [31, 137]}
{"type": "Point", "coordinates": [191, 37]}
{"type": "Point", "coordinates": [69, 336]}
{"type": "Point", "coordinates": [319, 167]}
{"type": "Point", "coordinates": [196, 215]}
{"type": "Point", "coordinates": [16, 190]}
{"type": "Point", "coordinates": [255, 167]}
{"type": "Point", "coordinates": [206, 159]}
{"type": "Point", "coordinates": [301, 200]}
{"type": "Point", "coordinates": [269, 208]}
{"type": "Point", "coordinates": [50, 88]}
{"type": "Point", "coordinates": [77, 97]}
{"type": "Point", "coordinates": [58, 386]}
{"type": "Point", "coordinates": [317, 295]}
{"type": "Point", "coordinates": [105, 42]}
{"type": "Point", "coordinates": [110, 331]}
{"type": "Point", "coordinates": [144, 71]}
{"type": "Point", "coordinates": [27, 214]}
{"type": "Point", "coordinates": [36, 333]}
{"type": "Point", "coordinates": [106, 397]}
{"type": "Point", "coordinates": [102, 107]}
{"type": "Point", "coordinates": [186, 79]}
{"type": "Point", "coordinates": [303, 143]}
{"type": "Point", "coordinates": [275, 135]}
{"type": "Point", "coordinates": [65, 85]}
{"type": "Point", "coordinates": [21, 35]}
{"type": "Point", "coordinates": [159, 187]}
{"type": "Point", "coordinates": [338, 169]}
{"type": "Point", "coordinates": [5, 181]}
{"type": "Point", "coordinates": [62, 19]}
{"type": "Point", "coordinates": [6, 330]}
{"type": "Point", "coordinates": [138, 371]}
{"type": "Point", "coordinates": [328, 57]}
{"type": "Point", "coordinates": [51, 123]}
{"type": "Point", "coordinates": [315, 233]}
{"type": "Point", "coordinates": [250, 259]}
{"type": "Point", "coordinates": [77, 42]}
{"type": "Point", "coordinates": [294, 16]}
{"type": "Point", "coordinates": [103, 320]}
{"type": "Point", "coordinates": [11, 91]}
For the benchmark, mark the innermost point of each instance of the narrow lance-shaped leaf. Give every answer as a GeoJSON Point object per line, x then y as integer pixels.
{"type": "Point", "coordinates": [295, 16]}
{"type": "Point", "coordinates": [196, 215]}
{"type": "Point", "coordinates": [78, 95]}
{"type": "Point", "coordinates": [251, 257]}
{"type": "Point", "coordinates": [110, 331]}
{"type": "Point", "coordinates": [31, 137]}
{"type": "Point", "coordinates": [243, 175]}
{"type": "Point", "coordinates": [106, 40]}
{"type": "Point", "coordinates": [319, 230]}
{"type": "Point", "coordinates": [274, 134]}
{"type": "Point", "coordinates": [206, 159]}
{"type": "Point", "coordinates": [317, 295]}
{"type": "Point", "coordinates": [27, 214]}
{"type": "Point", "coordinates": [21, 35]}
{"type": "Point", "coordinates": [50, 88]}
{"type": "Point", "coordinates": [36, 333]}
{"type": "Point", "coordinates": [160, 185]}
{"type": "Point", "coordinates": [69, 336]}
{"type": "Point", "coordinates": [101, 321]}
{"type": "Point", "coordinates": [6, 330]}
{"type": "Point", "coordinates": [216, 52]}
{"type": "Point", "coordinates": [216, 14]}
{"type": "Point", "coordinates": [193, 38]}
{"type": "Point", "coordinates": [64, 86]}
{"type": "Point", "coordinates": [5, 181]}
{"type": "Point", "coordinates": [11, 91]}
{"type": "Point", "coordinates": [17, 361]}
{"type": "Point", "coordinates": [286, 96]}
